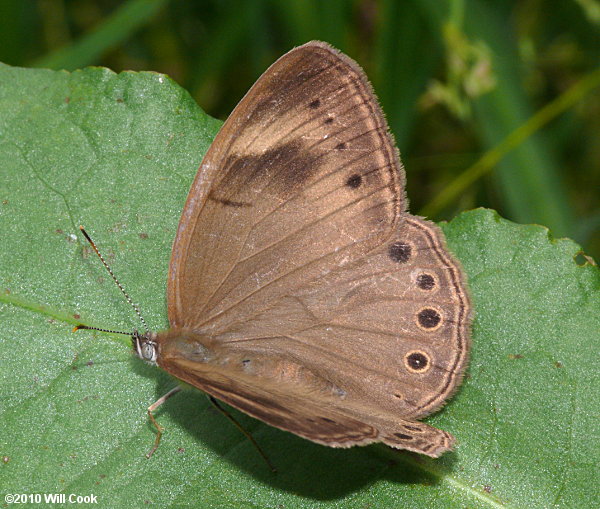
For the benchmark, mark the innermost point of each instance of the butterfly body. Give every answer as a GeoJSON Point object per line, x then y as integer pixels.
{"type": "Point", "coordinates": [300, 290]}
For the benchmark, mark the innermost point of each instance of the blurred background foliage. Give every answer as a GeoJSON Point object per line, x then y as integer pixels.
{"type": "Point", "coordinates": [493, 103]}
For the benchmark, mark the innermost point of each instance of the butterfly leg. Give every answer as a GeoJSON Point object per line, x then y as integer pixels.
{"type": "Point", "coordinates": [159, 428]}
{"type": "Point", "coordinates": [245, 432]}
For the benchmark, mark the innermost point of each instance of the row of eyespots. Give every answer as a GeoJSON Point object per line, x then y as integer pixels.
{"type": "Point", "coordinates": [355, 180]}
{"type": "Point", "coordinates": [428, 318]}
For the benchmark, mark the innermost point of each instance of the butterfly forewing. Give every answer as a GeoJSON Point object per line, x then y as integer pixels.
{"type": "Point", "coordinates": [303, 168]}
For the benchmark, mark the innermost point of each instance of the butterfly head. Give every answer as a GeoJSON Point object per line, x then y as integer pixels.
{"type": "Point", "coordinates": [145, 346]}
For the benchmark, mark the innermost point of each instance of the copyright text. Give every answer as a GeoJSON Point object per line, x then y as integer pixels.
{"type": "Point", "coordinates": [49, 498]}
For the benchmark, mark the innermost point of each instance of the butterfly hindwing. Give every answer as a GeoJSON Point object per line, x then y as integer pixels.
{"type": "Point", "coordinates": [288, 396]}
{"type": "Point", "coordinates": [396, 316]}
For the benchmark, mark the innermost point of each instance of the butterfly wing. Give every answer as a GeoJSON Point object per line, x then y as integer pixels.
{"type": "Point", "coordinates": [302, 169]}
{"type": "Point", "coordinates": [294, 246]}
{"type": "Point", "coordinates": [391, 326]}
{"type": "Point", "coordinates": [313, 409]}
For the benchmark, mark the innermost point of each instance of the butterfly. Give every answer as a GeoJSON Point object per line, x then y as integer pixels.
{"type": "Point", "coordinates": [300, 290]}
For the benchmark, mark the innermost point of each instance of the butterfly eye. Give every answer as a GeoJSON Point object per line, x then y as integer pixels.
{"type": "Point", "coordinates": [148, 351]}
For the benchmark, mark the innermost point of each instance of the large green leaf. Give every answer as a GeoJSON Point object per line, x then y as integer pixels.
{"type": "Point", "coordinates": [117, 153]}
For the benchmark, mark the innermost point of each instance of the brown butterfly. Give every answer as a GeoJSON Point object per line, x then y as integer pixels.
{"type": "Point", "coordinates": [300, 290]}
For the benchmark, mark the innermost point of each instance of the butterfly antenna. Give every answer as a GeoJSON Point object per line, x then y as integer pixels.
{"type": "Point", "coordinates": [133, 305]}
{"type": "Point", "coordinates": [85, 327]}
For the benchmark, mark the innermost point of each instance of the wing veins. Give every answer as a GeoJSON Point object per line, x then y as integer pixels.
{"type": "Point", "coordinates": [311, 224]}
{"type": "Point", "coordinates": [346, 361]}
{"type": "Point", "coordinates": [354, 90]}
{"type": "Point", "coordinates": [371, 171]}
{"type": "Point", "coordinates": [282, 112]}
{"type": "Point", "coordinates": [281, 139]}
{"type": "Point", "coordinates": [300, 267]}
{"type": "Point", "coordinates": [347, 85]}
{"type": "Point", "coordinates": [310, 186]}
{"type": "Point", "coordinates": [239, 260]}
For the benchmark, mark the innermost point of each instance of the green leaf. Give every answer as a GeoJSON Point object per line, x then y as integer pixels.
{"type": "Point", "coordinates": [117, 153]}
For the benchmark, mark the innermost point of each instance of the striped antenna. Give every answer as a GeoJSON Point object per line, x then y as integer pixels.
{"type": "Point", "coordinates": [134, 306]}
